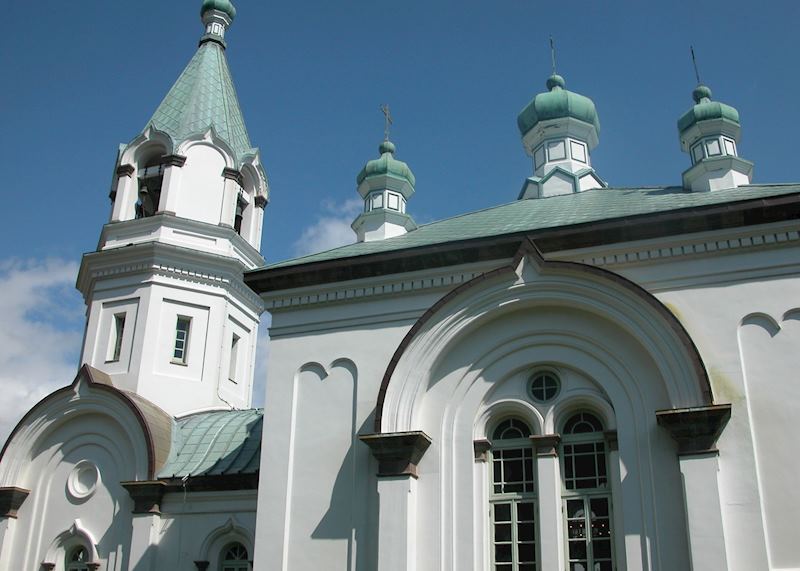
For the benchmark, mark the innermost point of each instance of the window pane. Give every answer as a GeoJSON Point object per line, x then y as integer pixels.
{"type": "Point", "coordinates": [525, 511]}
{"type": "Point", "coordinates": [502, 512]}
{"type": "Point", "coordinates": [502, 552]}
{"type": "Point", "coordinates": [502, 532]}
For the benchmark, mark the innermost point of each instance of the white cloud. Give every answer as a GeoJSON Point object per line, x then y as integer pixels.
{"type": "Point", "coordinates": [331, 229]}
{"type": "Point", "coordinates": [41, 327]}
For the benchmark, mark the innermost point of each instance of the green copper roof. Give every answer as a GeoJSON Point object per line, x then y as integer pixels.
{"type": "Point", "coordinates": [544, 213]}
{"type": "Point", "coordinates": [557, 103]}
{"type": "Point", "coordinates": [386, 164]}
{"type": "Point", "coordinates": [215, 443]}
{"type": "Point", "coordinates": [203, 97]}
{"type": "Point", "coordinates": [221, 5]}
{"type": "Point", "coordinates": [705, 109]}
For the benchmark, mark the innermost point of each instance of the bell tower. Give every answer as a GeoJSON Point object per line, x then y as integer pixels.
{"type": "Point", "coordinates": [168, 315]}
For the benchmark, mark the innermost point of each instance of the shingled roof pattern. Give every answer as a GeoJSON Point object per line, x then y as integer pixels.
{"type": "Point", "coordinates": [203, 97]}
{"type": "Point", "coordinates": [215, 443]}
{"type": "Point", "coordinates": [548, 213]}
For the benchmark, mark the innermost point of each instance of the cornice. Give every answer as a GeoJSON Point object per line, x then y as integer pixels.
{"type": "Point", "coordinates": [169, 261]}
{"type": "Point", "coordinates": [371, 288]}
{"type": "Point", "coordinates": [652, 252]}
{"type": "Point", "coordinates": [147, 226]}
{"type": "Point", "coordinates": [783, 235]}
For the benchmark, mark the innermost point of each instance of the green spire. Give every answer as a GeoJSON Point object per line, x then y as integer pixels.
{"type": "Point", "coordinates": [557, 103]}
{"type": "Point", "coordinates": [224, 6]}
{"type": "Point", "coordinates": [204, 97]}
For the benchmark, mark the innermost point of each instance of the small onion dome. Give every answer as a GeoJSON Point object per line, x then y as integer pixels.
{"type": "Point", "coordinates": [557, 103]}
{"type": "Point", "coordinates": [221, 5]}
{"type": "Point", "coordinates": [705, 110]}
{"type": "Point", "coordinates": [386, 164]}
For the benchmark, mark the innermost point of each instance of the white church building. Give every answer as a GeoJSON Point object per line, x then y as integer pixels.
{"type": "Point", "coordinates": [587, 378]}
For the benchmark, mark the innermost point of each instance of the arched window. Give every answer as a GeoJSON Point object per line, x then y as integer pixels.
{"type": "Point", "coordinates": [77, 559]}
{"type": "Point", "coordinates": [586, 494]}
{"type": "Point", "coordinates": [513, 498]}
{"type": "Point", "coordinates": [150, 177]}
{"type": "Point", "coordinates": [234, 558]}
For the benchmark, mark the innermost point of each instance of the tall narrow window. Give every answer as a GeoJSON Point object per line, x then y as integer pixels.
{"type": "Point", "coordinates": [181, 340]}
{"type": "Point", "coordinates": [115, 342]}
{"type": "Point", "coordinates": [241, 205]}
{"type": "Point", "coordinates": [234, 558]}
{"type": "Point", "coordinates": [77, 559]}
{"type": "Point", "coordinates": [513, 498]}
{"type": "Point", "coordinates": [586, 494]}
{"type": "Point", "coordinates": [234, 362]}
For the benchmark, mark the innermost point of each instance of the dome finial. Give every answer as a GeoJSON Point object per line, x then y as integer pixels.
{"type": "Point", "coordinates": [224, 6]}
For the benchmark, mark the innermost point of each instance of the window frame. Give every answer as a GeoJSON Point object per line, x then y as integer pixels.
{"type": "Point", "coordinates": [234, 564]}
{"type": "Point", "coordinates": [184, 358]}
{"type": "Point", "coordinates": [114, 352]}
{"type": "Point", "coordinates": [514, 499]}
{"type": "Point", "coordinates": [586, 494]}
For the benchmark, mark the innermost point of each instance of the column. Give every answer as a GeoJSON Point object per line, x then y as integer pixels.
{"type": "Point", "coordinates": [147, 496]}
{"type": "Point", "coordinates": [398, 455]}
{"type": "Point", "coordinates": [696, 431]}
{"type": "Point", "coordinates": [122, 194]}
{"type": "Point", "coordinates": [233, 182]}
{"type": "Point", "coordinates": [550, 526]}
{"type": "Point", "coordinates": [615, 480]}
{"type": "Point", "coordinates": [171, 184]}
{"type": "Point", "coordinates": [258, 221]}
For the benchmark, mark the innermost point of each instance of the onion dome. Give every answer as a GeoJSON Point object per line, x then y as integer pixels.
{"type": "Point", "coordinates": [557, 103]}
{"type": "Point", "coordinates": [224, 6]}
{"type": "Point", "coordinates": [706, 110]}
{"type": "Point", "coordinates": [386, 164]}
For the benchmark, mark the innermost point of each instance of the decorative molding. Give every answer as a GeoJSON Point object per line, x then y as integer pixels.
{"type": "Point", "coordinates": [11, 500]}
{"type": "Point", "coordinates": [696, 430]}
{"type": "Point", "coordinates": [93, 566]}
{"type": "Point", "coordinates": [260, 201]}
{"type": "Point", "coordinates": [126, 170]}
{"type": "Point", "coordinates": [47, 566]}
{"type": "Point", "coordinates": [398, 453]}
{"type": "Point", "coordinates": [658, 253]}
{"type": "Point", "coordinates": [546, 444]}
{"type": "Point", "coordinates": [234, 175]}
{"type": "Point", "coordinates": [173, 160]}
{"type": "Point", "coordinates": [481, 448]}
{"type": "Point", "coordinates": [363, 291]}
{"type": "Point", "coordinates": [201, 565]}
{"type": "Point", "coordinates": [146, 495]}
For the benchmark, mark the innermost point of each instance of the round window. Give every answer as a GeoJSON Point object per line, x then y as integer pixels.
{"type": "Point", "coordinates": [544, 386]}
{"type": "Point", "coordinates": [83, 480]}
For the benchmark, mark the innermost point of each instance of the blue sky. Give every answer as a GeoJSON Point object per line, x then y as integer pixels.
{"type": "Point", "coordinates": [310, 77]}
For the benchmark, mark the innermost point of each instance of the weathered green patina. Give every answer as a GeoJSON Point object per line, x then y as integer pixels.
{"type": "Point", "coordinates": [546, 213]}
{"type": "Point", "coordinates": [706, 110]}
{"type": "Point", "coordinates": [557, 103]}
{"type": "Point", "coordinates": [215, 443]}
{"type": "Point", "coordinates": [222, 5]}
{"type": "Point", "coordinates": [386, 164]}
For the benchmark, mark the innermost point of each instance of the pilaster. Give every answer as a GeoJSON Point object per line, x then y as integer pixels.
{"type": "Point", "coordinates": [696, 431]}
{"type": "Point", "coordinates": [549, 524]}
{"type": "Point", "coordinates": [121, 194]}
{"type": "Point", "coordinates": [398, 455]}
{"type": "Point", "coordinates": [171, 185]}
